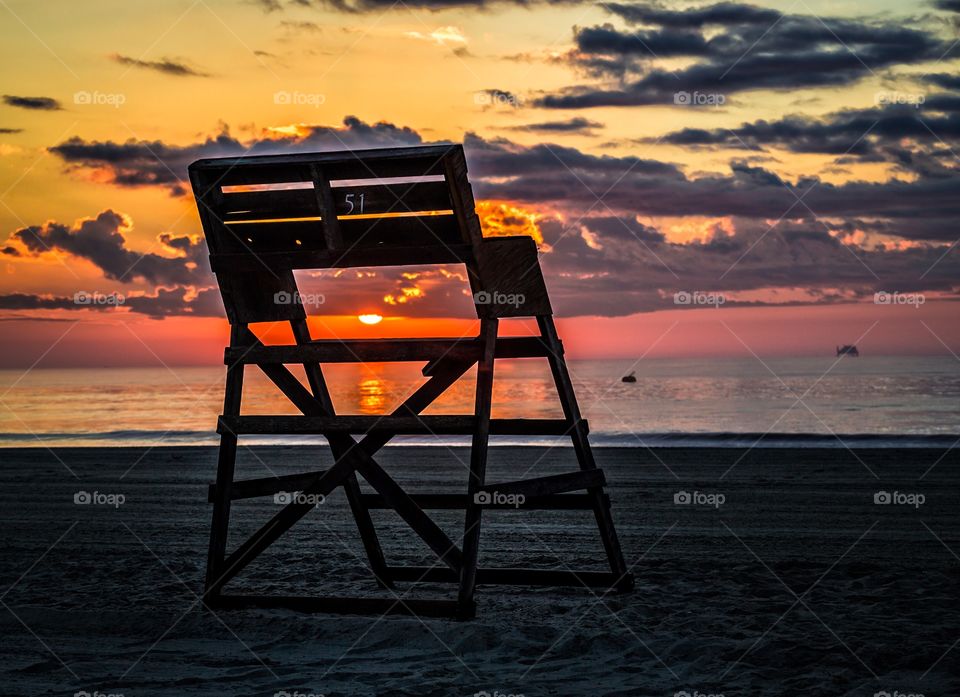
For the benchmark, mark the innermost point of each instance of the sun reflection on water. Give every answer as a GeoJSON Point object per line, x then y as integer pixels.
{"type": "Point", "coordinates": [373, 395]}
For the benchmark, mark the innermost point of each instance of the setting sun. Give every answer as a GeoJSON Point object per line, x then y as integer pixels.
{"type": "Point", "coordinates": [370, 319]}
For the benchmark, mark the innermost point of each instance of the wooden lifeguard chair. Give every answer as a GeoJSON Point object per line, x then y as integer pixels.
{"type": "Point", "coordinates": [264, 217]}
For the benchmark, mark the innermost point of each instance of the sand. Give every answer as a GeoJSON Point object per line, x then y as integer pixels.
{"type": "Point", "coordinates": [797, 583]}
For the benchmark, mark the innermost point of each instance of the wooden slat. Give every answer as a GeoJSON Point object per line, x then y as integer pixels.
{"type": "Point", "coordinates": [423, 230]}
{"type": "Point", "coordinates": [247, 171]}
{"type": "Point", "coordinates": [325, 259]}
{"type": "Point", "coordinates": [393, 425]}
{"type": "Point", "coordinates": [283, 203]}
{"type": "Point", "coordinates": [267, 486]}
{"type": "Point", "coordinates": [377, 350]}
{"type": "Point", "coordinates": [391, 198]}
{"type": "Point", "coordinates": [419, 607]}
{"type": "Point", "coordinates": [277, 236]}
{"type": "Point", "coordinates": [552, 484]}
{"type": "Point", "coordinates": [400, 153]}
{"type": "Point", "coordinates": [507, 576]}
{"type": "Point", "coordinates": [244, 172]}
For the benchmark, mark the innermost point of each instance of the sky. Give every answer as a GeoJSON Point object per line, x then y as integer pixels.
{"type": "Point", "coordinates": [724, 179]}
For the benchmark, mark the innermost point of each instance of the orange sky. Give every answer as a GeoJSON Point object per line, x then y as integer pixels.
{"type": "Point", "coordinates": [109, 101]}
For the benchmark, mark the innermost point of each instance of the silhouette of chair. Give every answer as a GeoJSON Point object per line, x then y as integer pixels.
{"type": "Point", "coordinates": [264, 217]}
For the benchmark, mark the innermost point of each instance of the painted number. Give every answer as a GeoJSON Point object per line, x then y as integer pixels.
{"type": "Point", "coordinates": [350, 198]}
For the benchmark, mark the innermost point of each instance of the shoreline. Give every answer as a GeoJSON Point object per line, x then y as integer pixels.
{"type": "Point", "coordinates": [725, 440]}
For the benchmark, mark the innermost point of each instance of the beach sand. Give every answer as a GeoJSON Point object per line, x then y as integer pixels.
{"type": "Point", "coordinates": [797, 583]}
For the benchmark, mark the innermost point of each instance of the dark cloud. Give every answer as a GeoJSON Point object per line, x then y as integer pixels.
{"type": "Point", "coordinates": [573, 125]}
{"type": "Point", "coordinates": [174, 302]}
{"type": "Point", "coordinates": [168, 66]}
{"type": "Point", "coordinates": [949, 5]}
{"type": "Point", "coordinates": [611, 255]}
{"type": "Point", "coordinates": [35, 103]}
{"type": "Point", "coordinates": [615, 266]}
{"type": "Point", "coordinates": [910, 138]}
{"type": "Point", "coordinates": [580, 183]}
{"type": "Point", "coordinates": [10, 131]}
{"type": "Point", "coordinates": [101, 241]}
{"type": "Point", "coordinates": [721, 14]}
{"type": "Point", "coordinates": [495, 97]}
{"type": "Point", "coordinates": [735, 48]}
{"type": "Point", "coordinates": [164, 303]}
{"type": "Point", "coordinates": [950, 81]}
{"type": "Point", "coordinates": [151, 163]}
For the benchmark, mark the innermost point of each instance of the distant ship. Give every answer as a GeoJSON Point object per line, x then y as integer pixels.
{"type": "Point", "coordinates": [848, 350]}
{"type": "Point", "coordinates": [632, 377]}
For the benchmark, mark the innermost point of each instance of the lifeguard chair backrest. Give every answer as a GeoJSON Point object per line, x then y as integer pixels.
{"type": "Point", "coordinates": [264, 216]}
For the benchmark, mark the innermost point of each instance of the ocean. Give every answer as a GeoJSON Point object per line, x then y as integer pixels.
{"type": "Point", "coordinates": [684, 402]}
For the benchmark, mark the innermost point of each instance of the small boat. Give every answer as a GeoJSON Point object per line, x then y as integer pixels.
{"type": "Point", "coordinates": [632, 377]}
{"type": "Point", "coordinates": [848, 350]}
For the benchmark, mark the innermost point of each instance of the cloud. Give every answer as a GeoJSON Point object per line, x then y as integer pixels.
{"type": "Point", "coordinates": [948, 81]}
{"type": "Point", "coordinates": [164, 303]}
{"type": "Point", "coordinates": [613, 266]}
{"type": "Point", "coordinates": [493, 97]}
{"type": "Point", "coordinates": [168, 66]}
{"type": "Point", "coordinates": [301, 27]}
{"type": "Point", "coordinates": [102, 241]}
{"type": "Point", "coordinates": [34, 103]}
{"type": "Point", "coordinates": [10, 131]}
{"type": "Point", "coordinates": [155, 163]}
{"type": "Point", "coordinates": [360, 6]}
{"type": "Point", "coordinates": [909, 138]}
{"type": "Point", "coordinates": [572, 125]}
{"type": "Point", "coordinates": [735, 48]}
{"type": "Point", "coordinates": [442, 36]}
{"type": "Point", "coordinates": [612, 227]}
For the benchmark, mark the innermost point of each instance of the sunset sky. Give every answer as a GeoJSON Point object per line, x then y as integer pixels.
{"type": "Point", "coordinates": [791, 158]}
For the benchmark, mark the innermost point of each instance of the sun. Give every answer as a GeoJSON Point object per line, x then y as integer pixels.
{"type": "Point", "coordinates": [370, 319]}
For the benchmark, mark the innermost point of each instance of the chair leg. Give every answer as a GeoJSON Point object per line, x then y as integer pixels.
{"type": "Point", "coordinates": [226, 463]}
{"type": "Point", "coordinates": [581, 446]}
{"type": "Point", "coordinates": [365, 526]}
{"type": "Point", "coordinates": [478, 467]}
